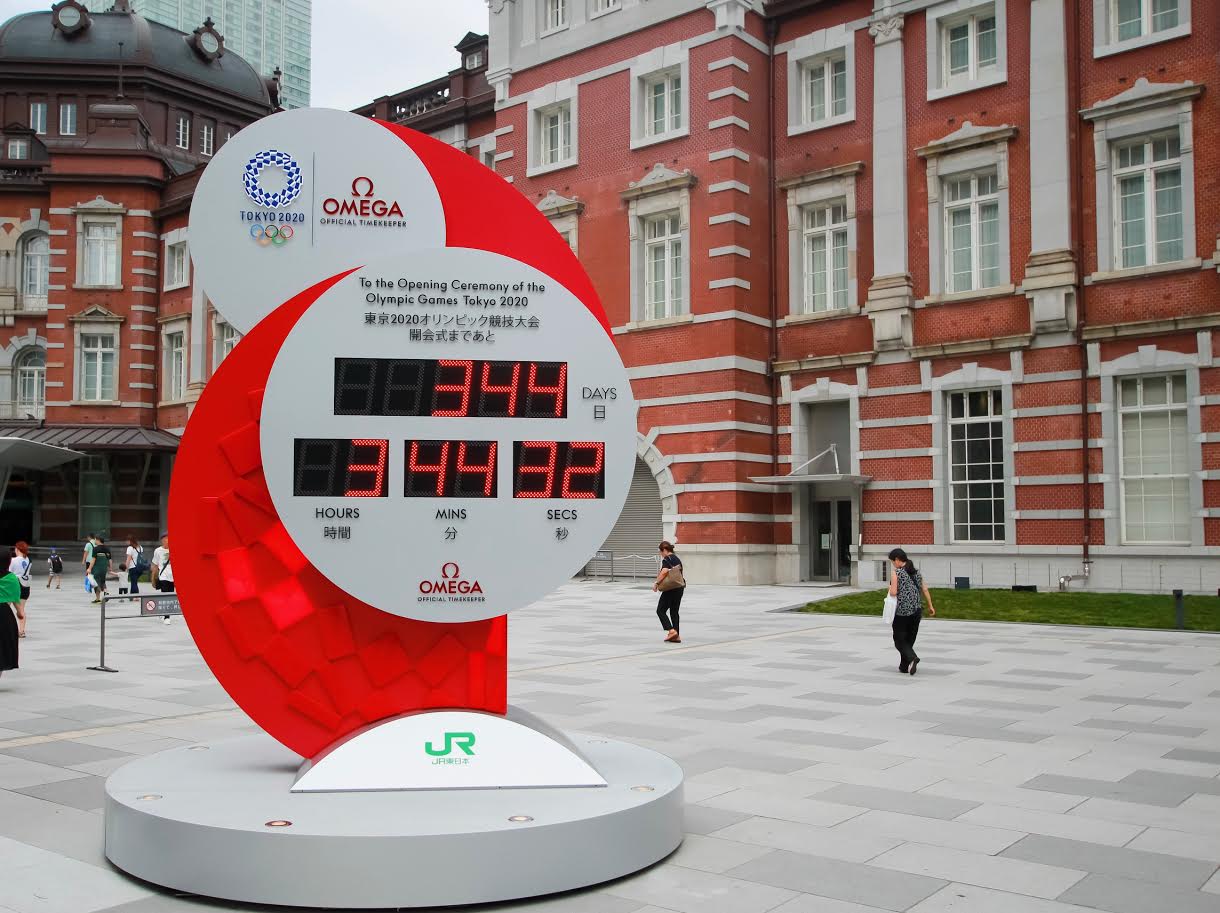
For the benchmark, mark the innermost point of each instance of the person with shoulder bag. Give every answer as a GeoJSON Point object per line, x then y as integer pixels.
{"type": "Point", "coordinates": [670, 583]}
{"type": "Point", "coordinates": [908, 590]}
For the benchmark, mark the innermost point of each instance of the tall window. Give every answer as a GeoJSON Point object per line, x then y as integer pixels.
{"type": "Point", "coordinates": [35, 269]}
{"type": "Point", "coordinates": [184, 132]}
{"type": "Point", "coordinates": [555, 141]}
{"type": "Point", "coordinates": [94, 495]}
{"type": "Point", "coordinates": [67, 119]}
{"type": "Point", "coordinates": [556, 14]}
{"type": "Point", "coordinates": [176, 269]}
{"type": "Point", "coordinates": [972, 226]}
{"type": "Point", "coordinates": [826, 88]}
{"type": "Point", "coordinates": [38, 117]}
{"type": "Point", "coordinates": [1134, 18]}
{"type": "Point", "coordinates": [662, 104]}
{"type": "Point", "coordinates": [663, 266]}
{"type": "Point", "coordinates": [976, 451]}
{"type": "Point", "coordinates": [825, 246]}
{"type": "Point", "coordinates": [1148, 187]}
{"type": "Point", "coordinates": [1154, 447]}
{"type": "Point", "coordinates": [175, 365]}
{"type": "Point", "coordinates": [97, 364]}
{"type": "Point", "coordinates": [101, 254]}
{"type": "Point", "coordinates": [226, 339]}
{"type": "Point", "coordinates": [207, 139]}
{"type": "Point", "coordinates": [32, 382]}
{"type": "Point", "coordinates": [968, 45]}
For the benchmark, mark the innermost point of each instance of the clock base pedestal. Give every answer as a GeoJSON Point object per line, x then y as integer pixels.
{"type": "Point", "coordinates": [221, 820]}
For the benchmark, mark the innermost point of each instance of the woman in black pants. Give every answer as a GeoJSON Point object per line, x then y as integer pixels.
{"type": "Point", "coordinates": [906, 583]}
{"type": "Point", "coordinates": [671, 599]}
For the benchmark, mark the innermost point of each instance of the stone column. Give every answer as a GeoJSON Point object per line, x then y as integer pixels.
{"type": "Point", "coordinates": [1050, 273]}
{"type": "Point", "coordinates": [890, 295]}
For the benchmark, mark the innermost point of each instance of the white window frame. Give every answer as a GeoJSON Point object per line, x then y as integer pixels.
{"type": "Point", "coordinates": [35, 300]}
{"type": "Point", "coordinates": [67, 118]}
{"type": "Point", "coordinates": [829, 187]}
{"type": "Point", "coordinates": [672, 196]}
{"type": "Point", "coordinates": [665, 106]}
{"type": "Point", "coordinates": [18, 148]}
{"type": "Point", "coordinates": [834, 226]}
{"type": "Point", "coordinates": [944, 16]}
{"type": "Point", "coordinates": [473, 60]}
{"type": "Point", "coordinates": [177, 264]}
{"type": "Point", "coordinates": [207, 138]}
{"type": "Point", "coordinates": [555, 135]}
{"type": "Point", "coordinates": [1182, 456]}
{"type": "Point", "coordinates": [174, 364]}
{"type": "Point", "coordinates": [543, 103]}
{"type": "Point", "coordinates": [85, 344]}
{"type": "Point", "coordinates": [808, 52]}
{"type": "Point", "coordinates": [675, 256]}
{"type": "Point", "coordinates": [182, 132]}
{"type": "Point", "coordinates": [38, 117]}
{"type": "Point", "coordinates": [1144, 110]}
{"type": "Point", "coordinates": [225, 337]}
{"type": "Point", "coordinates": [973, 204]}
{"type": "Point", "coordinates": [111, 277]}
{"type": "Point", "coordinates": [555, 16]}
{"type": "Point", "coordinates": [1148, 170]}
{"type": "Point", "coordinates": [27, 377]}
{"type": "Point", "coordinates": [995, 396]}
{"type": "Point", "coordinates": [602, 7]}
{"type": "Point", "coordinates": [1105, 28]}
{"type": "Point", "coordinates": [660, 64]}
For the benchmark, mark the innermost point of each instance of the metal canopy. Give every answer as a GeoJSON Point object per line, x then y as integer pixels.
{"type": "Point", "coordinates": [16, 452]}
{"type": "Point", "coordinates": [809, 478]}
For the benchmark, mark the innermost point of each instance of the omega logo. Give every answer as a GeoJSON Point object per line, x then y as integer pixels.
{"type": "Point", "coordinates": [450, 583]}
{"type": "Point", "coordinates": [362, 202]}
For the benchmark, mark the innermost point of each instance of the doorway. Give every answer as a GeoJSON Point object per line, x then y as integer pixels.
{"type": "Point", "coordinates": [832, 535]}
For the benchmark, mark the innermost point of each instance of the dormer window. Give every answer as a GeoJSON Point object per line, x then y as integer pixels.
{"type": "Point", "coordinates": [474, 60]}
{"type": "Point", "coordinates": [69, 17]}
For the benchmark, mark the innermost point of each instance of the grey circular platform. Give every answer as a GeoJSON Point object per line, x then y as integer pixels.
{"type": "Point", "coordinates": [196, 820]}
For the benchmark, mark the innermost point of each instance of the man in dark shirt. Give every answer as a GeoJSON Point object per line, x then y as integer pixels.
{"type": "Point", "coordinates": [99, 565]}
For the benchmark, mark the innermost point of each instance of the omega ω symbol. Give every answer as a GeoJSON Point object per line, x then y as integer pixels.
{"type": "Point", "coordinates": [450, 571]}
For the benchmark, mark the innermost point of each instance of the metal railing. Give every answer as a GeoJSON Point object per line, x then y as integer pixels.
{"type": "Point", "coordinates": [603, 564]}
{"type": "Point", "coordinates": [151, 605]}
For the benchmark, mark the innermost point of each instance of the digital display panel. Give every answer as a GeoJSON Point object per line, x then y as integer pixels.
{"type": "Point", "coordinates": [559, 469]}
{"type": "Point", "coordinates": [450, 469]}
{"type": "Point", "coordinates": [340, 467]}
{"type": "Point", "coordinates": [458, 388]}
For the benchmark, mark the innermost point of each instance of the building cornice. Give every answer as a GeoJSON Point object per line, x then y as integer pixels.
{"type": "Point", "coordinates": [822, 174]}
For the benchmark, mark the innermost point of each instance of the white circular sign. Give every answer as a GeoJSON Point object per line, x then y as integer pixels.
{"type": "Point", "coordinates": [299, 196]}
{"type": "Point", "coordinates": [448, 435]}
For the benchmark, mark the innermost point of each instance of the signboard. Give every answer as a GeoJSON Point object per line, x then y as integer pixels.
{"type": "Point", "coordinates": [161, 604]}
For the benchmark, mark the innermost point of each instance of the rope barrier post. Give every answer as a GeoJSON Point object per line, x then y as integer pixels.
{"type": "Point", "coordinates": [101, 659]}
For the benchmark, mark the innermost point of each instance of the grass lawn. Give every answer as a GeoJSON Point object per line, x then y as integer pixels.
{"type": "Point", "coordinates": [1124, 610]}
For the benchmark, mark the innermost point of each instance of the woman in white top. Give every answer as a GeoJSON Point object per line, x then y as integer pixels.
{"type": "Point", "coordinates": [20, 566]}
{"type": "Point", "coordinates": [134, 560]}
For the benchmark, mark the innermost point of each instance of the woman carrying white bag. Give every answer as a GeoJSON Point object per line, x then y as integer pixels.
{"type": "Point", "coordinates": [904, 608]}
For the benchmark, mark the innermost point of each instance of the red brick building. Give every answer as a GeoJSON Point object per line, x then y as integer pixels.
{"type": "Point", "coordinates": [106, 121]}
{"type": "Point", "coordinates": [888, 272]}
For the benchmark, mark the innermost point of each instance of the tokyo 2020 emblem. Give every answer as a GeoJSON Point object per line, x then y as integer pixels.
{"type": "Point", "coordinates": [272, 158]}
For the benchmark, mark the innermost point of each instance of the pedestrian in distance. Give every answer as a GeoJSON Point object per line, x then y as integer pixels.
{"type": "Point", "coordinates": [10, 595]}
{"type": "Point", "coordinates": [99, 566]}
{"type": "Point", "coordinates": [87, 556]}
{"type": "Point", "coordinates": [55, 570]}
{"type": "Point", "coordinates": [19, 565]}
{"type": "Point", "coordinates": [907, 586]}
{"type": "Point", "coordinates": [671, 584]}
{"type": "Point", "coordinates": [135, 565]}
{"type": "Point", "coordinates": [162, 570]}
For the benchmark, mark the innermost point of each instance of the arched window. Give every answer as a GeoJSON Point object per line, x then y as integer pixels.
{"type": "Point", "coordinates": [31, 376]}
{"type": "Point", "coordinates": [35, 270]}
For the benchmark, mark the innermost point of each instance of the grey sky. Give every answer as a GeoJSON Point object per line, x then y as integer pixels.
{"type": "Point", "coordinates": [366, 48]}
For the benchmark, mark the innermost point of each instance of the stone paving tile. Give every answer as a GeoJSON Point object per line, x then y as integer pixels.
{"type": "Point", "coordinates": [967, 730]}
{"type": "Point", "coordinates": [1124, 895]}
{"type": "Point", "coordinates": [831, 698]}
{"type": "Point", "coordinates": [716, 853]}
{"type": "Point", "coordinates": [1049, 673]}
{"type": "Point", "coordinates": [1177, 819]}
{"type": "Point", "coordinates": [1014, 685]}
{"type": "Point", "coordinates": [704, 819]}
{"type": "Point", "coordinates": [768, 805]}
{"type": "Point", "coordinates": [86, 793]}
{"type": "Point", "coordinates": [62, 753]}
{"type": "Point", "coordinates": [687, 891]}
{"type": "Point", "coordinates": [1037, 822]}
{"type": "Point", "coordinates": [896, 800]}
{"type": "Point", "coordinates": [997, 872]}
{"type": "Point", "coordinates": [969, 898]}
{"type": "Point", "coordinates": [809, 903]}
{"type": "Point", "coordinates": [1167, 796]}
{"type": "Point", "coordinates": [1012, 706]}
{"type": "Point", "coordinates": [1134, 701]}
{"type": "Point", "coordinates": [1178, 843]}
{"type": "Point", "coordinates": [1112, 860]}
{"type": "Point", "coordinates": [831, 843]}
{"type": "Point", "coordinates": [957, 834]}
{"type": "Point", "coordinates": [38, 880]}
{"type": "Point", "coordinates": [848, 881]}
{"type": "Point", "coordinates": [1138, 726]}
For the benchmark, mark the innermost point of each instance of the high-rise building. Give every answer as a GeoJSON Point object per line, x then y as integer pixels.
{"type": "Point", "coordinates": [267, 33]}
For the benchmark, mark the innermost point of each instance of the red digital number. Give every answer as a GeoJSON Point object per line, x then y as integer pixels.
{"type": "Point", "coordinates": [440, 467]}
{"type": "Point", "coordinates": [462, 389]}
{"type": "Point", "coordinates": [487, 470]}
{"type": "Point", "coordinates": [598, 451]}
{"type": "Point", "coordinates": [550, 453]}
{"type": "Point", "coordinates": [558, 390]}
{"type": "Point", "coordinates": [509, 389]}
{"type": "Point", "coordinates": [378, 469]}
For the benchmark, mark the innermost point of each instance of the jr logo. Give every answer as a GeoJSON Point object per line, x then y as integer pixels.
{"type": "Point", "coordinates": [462, 740]}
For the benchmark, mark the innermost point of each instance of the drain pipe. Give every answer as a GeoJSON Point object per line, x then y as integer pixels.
{"type": "Point", "coordinates": [773, 295]}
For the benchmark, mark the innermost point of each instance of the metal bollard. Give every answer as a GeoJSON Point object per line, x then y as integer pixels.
{"type": "Point", "coordinates": [1179, 609]}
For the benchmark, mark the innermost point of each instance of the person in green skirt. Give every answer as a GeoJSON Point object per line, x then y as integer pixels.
{"type": "Point", "coordinates": [10, 596]}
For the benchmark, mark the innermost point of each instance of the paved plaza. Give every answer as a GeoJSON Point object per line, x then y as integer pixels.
{"type": "Point", "coordinates": [1025, 769]}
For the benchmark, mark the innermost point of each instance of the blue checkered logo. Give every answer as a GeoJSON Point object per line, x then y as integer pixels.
{"type": "Point", "coordinates": [272, 158]}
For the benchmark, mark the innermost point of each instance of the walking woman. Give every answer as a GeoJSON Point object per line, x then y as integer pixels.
{"type": "Point", "coordinates": [134, 563]}
{"type": "Point", "coordinates": [19, 565]}
{"type": "Point", "coordinates": [670, 584]}
{"type": "Point", "coordinates": [906, 583]}
{"type": "Point", "coordinates": [10, 595]}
